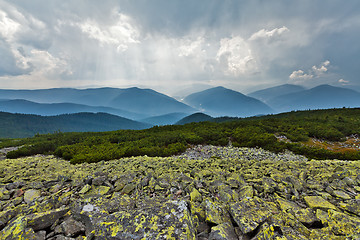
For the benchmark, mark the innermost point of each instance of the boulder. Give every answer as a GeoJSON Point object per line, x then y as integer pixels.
{"type": "Point", "coordinates": [31, 194]}
{"type": "Point", "coordinates": [249, 213]}
{"type": "Point", "coordinates": [40, 221]}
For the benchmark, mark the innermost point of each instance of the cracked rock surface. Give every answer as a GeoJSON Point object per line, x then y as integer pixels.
{"type": "Point", "coordinates": [206, 193]}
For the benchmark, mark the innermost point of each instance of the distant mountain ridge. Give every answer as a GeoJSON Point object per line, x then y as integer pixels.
{"type": "Point", "coordinates": [149, 102]}
{"type": "Point", "coordinates": [145, 102]}
{"type": "Point", "coordinates": [196, 117]}
{"type": "Point", "coordinates": [268, 93]}
{"type": "Point", "coordinates": [167, 119]}
{"type": "Point", "coordinates": [26, 125]}
{"type": "Point", "coordinates": [220, 101]}
{"type": "Point", "coordinates": [51, 109]}
{"type": "Point", "coordinates": [159, 109]}
{"type": "Point", "coordinates": [320, 97]}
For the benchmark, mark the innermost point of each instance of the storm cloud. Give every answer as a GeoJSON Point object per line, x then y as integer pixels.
{"type": "Point", "coordinates": [168, 44]}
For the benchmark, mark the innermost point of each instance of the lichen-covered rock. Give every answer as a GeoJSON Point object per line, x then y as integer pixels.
{"type": "Point", "coordinates": [129, 188]}
{"type": "Point", "coordinates": [118, 202]}
{"type": "Point", "coordinates": [195, 196]}
{"type": "Point", "coordinates": [31, 194]}
{"type": "Point", "coordinates": [318, 202]}
{"type": "Point", "coordinates": [14, 230]}
{"type": "Point", "coordinates": [98, 190]}
{"type": "Point", "coordinates": [271, 232]}
{"type": "Point", "coordinates": [71, 227]}
{"type": "Point", "coordinates": [40, 221]}
{"type": "Point", "coordinates": [269, 196]}
{"type": "Point", "coordinates": [343, 224]}
{"type": "Point", "coordinates": [171, 220]}
{"type": "Point", "coordinates": [85, 189]}
{"type": "Point", "coordinates": [249, 213]}
{"type": "Point", "coordinates": [341, 194]}
{"type": "Point", "coordinates": [246, 192]}
{"type": "Point", "coordinates": [306, 216]}
{"type": "Point", "coordinates": [352, 206]}
{"type": "Point", "coordinates": [224, 231]}
{"type": "Point", "coordinates": [286, 205]}
{"type": "Point", "coordinates": [269, 185]}
{"type": "Point", "coordinates": [215, 213]}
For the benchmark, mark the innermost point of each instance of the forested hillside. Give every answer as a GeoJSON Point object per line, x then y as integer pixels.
{"type": "Point", "coordinates": [25, 125]}
{"type": "Point", "coordinates": [290, 131]}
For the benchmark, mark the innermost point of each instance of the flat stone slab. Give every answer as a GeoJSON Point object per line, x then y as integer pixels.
{"type": "Point", "coordinates": [318, 202]}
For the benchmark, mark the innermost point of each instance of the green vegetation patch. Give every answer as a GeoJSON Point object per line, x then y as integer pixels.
{"type": "Point", "coordinates": [297, 127]}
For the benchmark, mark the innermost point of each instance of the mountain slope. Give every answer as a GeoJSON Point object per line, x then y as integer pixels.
{"type": "Point", "coordinates": [149, 102]}
{"type": "Point", "coordinates": [221, 101]}
{"type": "Point", "coordinates": [196, 117]}
{"type": "Point", "coordinates": [320, 97]}
{"type": "Point", "coordinates": [50, 109]}
{"type": "Point", "coordinates": [268, 93]}
{"type": "Point", "coordinates": [25, 125]}
{"type": "Point", "coordinates": [166, 119]}
{"type": "Point", "coordinates": [91, 96]}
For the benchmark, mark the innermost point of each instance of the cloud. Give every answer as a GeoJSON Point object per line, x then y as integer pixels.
{"type": "Point", "coordinates": [270, 35]}
{"type": "Point", "coordinates": [235, 57]}
{"type": "Point", "coordinates": [318, 71]}
{"type": "Point", "coordinates": [10, 61]}
{"type": "Point", "coordinates": [300, 75]}
{"type": "Point", "coordinates": [343, 82]}
{"type": "Point", "coordinates": [48, 65]}
{"type": "Point", "coordinates": [116, 42]}
{"type": "Point", "coordinates": [190, 47]}
{"type": "Point", "coordinates": [120, 33]}
{"type": "Point", "coordinates": [8, 27]}
{"type": "Point", "coordinates": [314, 72]}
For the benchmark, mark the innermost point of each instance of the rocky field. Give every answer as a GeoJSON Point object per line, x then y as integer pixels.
{"type": "Point", "coordinates": [206, 193]}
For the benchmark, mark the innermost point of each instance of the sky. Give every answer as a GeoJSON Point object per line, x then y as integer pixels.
{"type": "Point", "coordinates": [172, 45]}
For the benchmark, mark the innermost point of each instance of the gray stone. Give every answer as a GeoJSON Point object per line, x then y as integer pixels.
{"type": "Point", "coordinates": [40, 235]}
{"type": "Point", "coordinates": [72, 228]}
{"type": "Point", "coordinates": [129, 188]}
{"type": "Point", "coordinates": [99, 181]}
{"type": "Point", "coordinates": [31, 194]}
{"type": "Point", "coordinates": [224, 231]}
{"type": "Point", "coordinates": [40, 221]}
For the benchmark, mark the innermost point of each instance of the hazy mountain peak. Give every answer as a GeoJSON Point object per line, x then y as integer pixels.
{"type": "Point", "coordinates": [195, 117]}
{"type": "Point", "coordinates": [220, 101]}
{"type": "Point", "coordinates": [272, 92]}
{"type": "Point", "coordinates": [320, 97]}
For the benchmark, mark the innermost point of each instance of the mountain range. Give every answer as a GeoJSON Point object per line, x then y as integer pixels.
{"type": "Point", "coordinates": [144, 102]}
{"type": "Point", "coordinates": [266, 94]}
{"type": "Point", "coordinates": [51, 109]}
{"type": "Point", "coordinates": [320, 97]}
{"type": "Point", "coordinates": [220, 101]}
{"type": "Point", "coordinates": [153, 108]}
